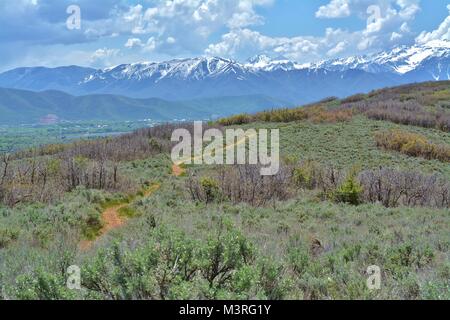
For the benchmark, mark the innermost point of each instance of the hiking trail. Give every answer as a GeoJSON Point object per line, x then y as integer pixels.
{"type": "Point", "coordinates": [112, 219]}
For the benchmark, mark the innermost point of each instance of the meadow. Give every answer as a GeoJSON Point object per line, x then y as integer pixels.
{"type": "Point", "coordinates": [340, 204]}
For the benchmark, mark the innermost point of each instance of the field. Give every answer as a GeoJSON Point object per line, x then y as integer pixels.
{"type": "Point", "coordinates": [309, 233]}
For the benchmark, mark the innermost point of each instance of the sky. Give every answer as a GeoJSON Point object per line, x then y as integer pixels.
{"type": "Point", "coordinates": [105, 33]}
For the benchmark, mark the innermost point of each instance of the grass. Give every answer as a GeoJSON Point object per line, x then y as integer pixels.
{"type": "Point", "coordinates": [409, 244]}
{"type": "Point", "coordinates": [300, 248]}
{"type": "Point", "coordinates": [352, 143]}
{"type": "Point", "coordinates": [128, 212]}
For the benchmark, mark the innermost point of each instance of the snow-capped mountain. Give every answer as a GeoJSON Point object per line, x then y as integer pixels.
{"type": "Point", "coordinates": [267, 64]}
{"type": "Point", "coordinates": [401, 60]}
{"type": "Point", "coordinates": [279, 78]}
{"type": "Point", "coordinates": [185, 69]}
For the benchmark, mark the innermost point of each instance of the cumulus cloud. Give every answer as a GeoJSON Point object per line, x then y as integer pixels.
{"type": "Point", "coordinates": [340, 47]}
{"type": "Point", "coordinates": [335, 9]}
{"type": "Point", "coordinates": [441, 33]}
{"type": "Point", "coordinates": [344, 8]}
{"type": "Point", "coordinates": [386, 26]}
{"type": "Point", "coordinates": [133, 43]}
{"type": "Point", "coordinates": [160, 28]}
{"type": "Point", "coordinates": [104, 57]}
{"type": "Point", "coordinates": [152, 26]}
{"type": "Point", "coordinates": [244, 43]}
{"type": "Point", "coordinates": [168, 19]}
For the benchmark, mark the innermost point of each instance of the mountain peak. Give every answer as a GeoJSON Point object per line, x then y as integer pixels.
{"type": "Point", "coordinates": [259, 59]}
{"type": "Point", "coordinates": [399, 60]}
{"type": "Point", "coordinates": [443, 44]}
{"type": "Point", "coordinates": [208, 76]}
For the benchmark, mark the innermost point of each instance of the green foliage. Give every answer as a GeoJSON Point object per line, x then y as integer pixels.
{"type": "Point", "coordinates": [235, 120]}
{"type": "Point", "coordinates": [173, 266]}
{"type": "Point", "coordinates": [349, 191]}
{"type": "Point", "coordinates": [210, 188]}
{"type": "Point", "coordinates": [300, 247]}
{"type": "Point", "coordinates": [317, 113]}
{"type": "Point", "coordinates": [128, 212]}
{"type": "Point", "coordinates": [305, 174]}
{"type": "Point", "coordinates": [8, 235]}
{"type": "Point", "coordinates": [42, 285]}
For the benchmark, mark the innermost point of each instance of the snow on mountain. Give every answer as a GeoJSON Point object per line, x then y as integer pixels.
{"type": "Point", "coordinates": [180, 69]}
{"type": "Point", "coordinates": [193, 69]}
{"type": "Point", "coordinates": [400, 60]}
{"type": "Point", "coordinates": [267, 64]}
{"type": "Point", "coordinates": [279, 77]}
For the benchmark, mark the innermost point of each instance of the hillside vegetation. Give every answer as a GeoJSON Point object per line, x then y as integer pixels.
{"type": "Point", "coordinates": [28, 107]}
{"type": "Point", "coordinates": [364, 181]}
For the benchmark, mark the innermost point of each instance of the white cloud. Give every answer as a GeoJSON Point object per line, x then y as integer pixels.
{"type": "Point", "coordinates": [201, 18]}
{"type": "Point", "coordinates": [395, 36]}
{"type": "Point", "coordinates": [165, 28]}
{"type": "Point", "coordinates": [133, 43]}
{"type": "Point", "coordinates": [441, 33]}
{"type": "Point", "coordinates": [388, 29]}
{"type": "Point", "coordinates": [243, 43]}
{"type": "Point", "coordinates": [345, 8]}
{"type": "Point", "coordinates": [151, 45]}
{"type": "Point", "coordinates": [335, 9]}
{"type": "Point", "coordinates": [104, 57]}
{"type": "Point", "coordinates": [337, 49]}
{"type": "Point", "coordinates": [171, 40]}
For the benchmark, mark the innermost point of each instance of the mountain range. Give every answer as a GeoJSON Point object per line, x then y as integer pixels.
{"type": "Point", "coordinates": [269, 81]}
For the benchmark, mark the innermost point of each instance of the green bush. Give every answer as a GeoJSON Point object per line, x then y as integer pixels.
{"type": "Point", "coordinates": [349, 191]}
{"type": "Point", "coordinates": [305, 175]}
{"type": "Point", "coordinates": [210, 188]}
{"type": "Point", "coordinates": [42, 285]}
{"type": "Point", "coordinates": [7, 235]}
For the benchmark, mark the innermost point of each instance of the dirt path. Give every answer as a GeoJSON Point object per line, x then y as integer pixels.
{"type": "Point", "coordinates": [178, 171]}
{"type": "Point", "coordinates": [112, 220]}
{"type": "Point", "coordinates": [111, 216]}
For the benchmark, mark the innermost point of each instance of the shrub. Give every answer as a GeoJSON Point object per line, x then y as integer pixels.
{"type": "Point", "coordinates": [305, 175]}
{"type": "Point", "coordinates": [242, 183]}
{"type": "Point", "coordinates": [235, 120]}
{"type": "Point", "coordinates": [349, 191]}
{"type": "Point", "coordinates": [222, 255]}
{"type": "Point", "coordinates": [7, 235]}
{"type": "Point", "coordinates": [171, 265]}
{"type": "Point", "coordinates": [393, 188]}
{"type": "Point", "coordinates": [210, 188]}
{"type": "Point", "coordinates": [354, 98]}
{"type": "Point", "coordinates": [42, 285]}
{"type": "Point", "coordinates": [316, 113]}
{"type": "Point", "coordinates": [412, 144]}
{"type": "Point", "coordinates": [407, 112]}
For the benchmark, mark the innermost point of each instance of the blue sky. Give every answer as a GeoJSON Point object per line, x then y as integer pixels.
{"type": "Point", "coordinates": [34, 32]}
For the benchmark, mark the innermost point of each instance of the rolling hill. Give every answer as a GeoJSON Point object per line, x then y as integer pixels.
{"type": "Point", "coordinates": [21, 106]}
{"type": "Point", "coordinates": [342, 203]}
